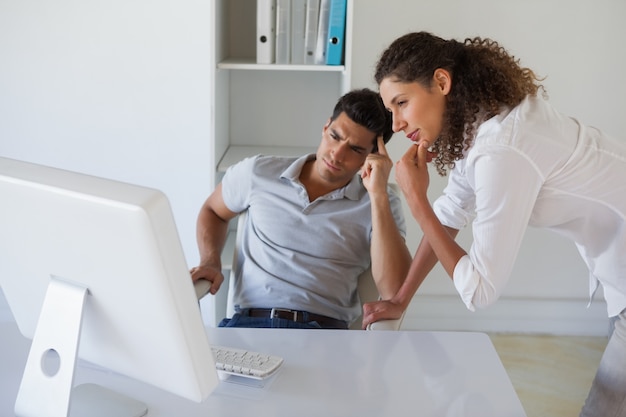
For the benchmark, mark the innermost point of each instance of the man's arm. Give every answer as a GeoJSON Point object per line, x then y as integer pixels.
{"type": "Point", "coordinates": [211, 234]}
{"type": "Point", "coordinates": [390, 256]}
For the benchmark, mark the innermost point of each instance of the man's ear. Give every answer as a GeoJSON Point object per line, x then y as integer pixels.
{"type": "Point", "coordinates": [442, 80]}
{"type": "Point", "coordinates": [328, 122]}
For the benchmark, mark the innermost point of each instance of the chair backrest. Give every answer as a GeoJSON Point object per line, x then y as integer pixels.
{"type": "Point", "coordinates": [366, 287]}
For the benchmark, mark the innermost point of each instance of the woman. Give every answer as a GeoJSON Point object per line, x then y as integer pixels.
{"type": "Point", "coordinates": [473, 111]}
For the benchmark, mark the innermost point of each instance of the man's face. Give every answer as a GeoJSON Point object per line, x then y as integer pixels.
{"type": "Point", "coordinates": [344, 147]}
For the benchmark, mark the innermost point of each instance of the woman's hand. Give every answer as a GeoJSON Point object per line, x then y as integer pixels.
{"type": "Point", "coordinates": [412, 171]}
{"type": "Point", "coordinates": [380, 310]}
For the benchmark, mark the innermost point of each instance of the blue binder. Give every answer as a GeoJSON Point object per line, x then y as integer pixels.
{"type": "Point", "coordinates": [336, 32]}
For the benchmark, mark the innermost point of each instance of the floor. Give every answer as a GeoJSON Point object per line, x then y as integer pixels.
{"type": "Point", "coordinates": [551, 374]}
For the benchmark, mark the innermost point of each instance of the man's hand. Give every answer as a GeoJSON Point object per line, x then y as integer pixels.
{"type": "Point", "coordinates": [380, 310]}
{"type": "Point", "coordinates": [376, 169]}
{"type": "Point", "coordinates": [211, 274]}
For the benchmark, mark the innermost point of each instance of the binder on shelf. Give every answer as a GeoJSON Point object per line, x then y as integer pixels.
{"type": "Point", "coordinates": [322, 33]}
{"type": "Point", "coordinates": [265, 31]}
{"type": "Point", "coordinates": [336, 32]}
{"type": "Point", "coordinates": [283, 31]}
{"type": "Point", "coordinates": [310, 30]}
{"type": "Point", "coordinates": [298, 19]}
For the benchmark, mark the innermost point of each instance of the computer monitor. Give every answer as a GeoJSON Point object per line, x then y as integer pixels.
{"type": "Point", "coordinates": [93, 268]}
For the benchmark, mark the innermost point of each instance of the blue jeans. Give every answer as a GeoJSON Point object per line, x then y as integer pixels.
{"type": "Point", "coordinates": [239, 320]}
{"type": "Point", "coordinates": [607, 397]}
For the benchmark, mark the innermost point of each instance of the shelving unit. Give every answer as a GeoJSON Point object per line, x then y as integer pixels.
{"type": "Point", "coordinates": [247, 64]}
{"type": "Point", "coordinates": [236, 153]}
{"type": "Point", "coordinates": [266, 108]}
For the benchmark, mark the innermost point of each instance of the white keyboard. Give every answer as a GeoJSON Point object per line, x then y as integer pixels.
{"type": "Point", "coordinates": [245, 363]}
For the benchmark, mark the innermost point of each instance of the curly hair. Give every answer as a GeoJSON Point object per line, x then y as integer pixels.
{"type": "Point", "coordinates": [485, 79]}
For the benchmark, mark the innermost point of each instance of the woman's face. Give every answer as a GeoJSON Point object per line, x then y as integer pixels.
{"type": "Point", "coordinates": [417, 111]}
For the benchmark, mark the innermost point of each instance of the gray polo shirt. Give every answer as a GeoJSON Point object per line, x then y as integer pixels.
{"type": "Point", "coordinates": [298, 254]}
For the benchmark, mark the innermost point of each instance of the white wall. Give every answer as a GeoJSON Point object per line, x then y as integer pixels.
{"type": "Point", "coordinates": [119, 89]}
{"type": "Point", "coordinates": [578, 46]}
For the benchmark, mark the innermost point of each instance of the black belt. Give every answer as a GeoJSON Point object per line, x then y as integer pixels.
{"type": "Point", "coordinates": [294, 315]}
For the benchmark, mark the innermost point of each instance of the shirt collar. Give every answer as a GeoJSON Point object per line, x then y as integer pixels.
{"type": "Point", "coordinates": [352, 191]}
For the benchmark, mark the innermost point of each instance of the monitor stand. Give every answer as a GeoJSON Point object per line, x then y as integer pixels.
{"type": "Point", "coordinates": [47, 384]}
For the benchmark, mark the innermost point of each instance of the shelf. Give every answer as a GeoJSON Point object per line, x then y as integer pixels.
{"type": "Point", "coordinates": [247, 64]}
{"type": "Point", "coordinates": [275, 100]}
{"type": "Point", "coordinates": [235, 154]}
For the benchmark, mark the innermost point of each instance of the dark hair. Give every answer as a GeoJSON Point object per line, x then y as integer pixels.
{"type": "Point", "coordinates": [485, 78]}
{"type": "Point", "coordinates": [366, 108]}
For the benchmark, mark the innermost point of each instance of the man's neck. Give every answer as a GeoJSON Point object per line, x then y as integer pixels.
{"type": "Point", "coordinates": [314, 185]}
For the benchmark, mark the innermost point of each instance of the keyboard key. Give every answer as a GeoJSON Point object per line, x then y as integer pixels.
{"type": "Point", "coordinates": [245, 363]}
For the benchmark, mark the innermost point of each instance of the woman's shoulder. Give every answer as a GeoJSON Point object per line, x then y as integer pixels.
{"type": "Point", "coordinates": [531, 113]}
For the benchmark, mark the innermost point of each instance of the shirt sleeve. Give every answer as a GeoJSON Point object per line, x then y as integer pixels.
{"type": "Point", "coordinates": [506, 184]}
{"type": "Point", "coordinates": [237, 183]}
{"type": "Point", "coordinates": [456, 206]}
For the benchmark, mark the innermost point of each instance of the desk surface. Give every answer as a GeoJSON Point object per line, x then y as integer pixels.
{"type": "Point", "coordinates": [325, 373]}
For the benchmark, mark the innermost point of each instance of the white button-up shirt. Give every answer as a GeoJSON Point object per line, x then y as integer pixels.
{"type": "Point", "coordinates": [533, 166]}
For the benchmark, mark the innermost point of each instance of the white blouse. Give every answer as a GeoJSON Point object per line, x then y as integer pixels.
{"type": "Point", "coordinates": [533, 166]}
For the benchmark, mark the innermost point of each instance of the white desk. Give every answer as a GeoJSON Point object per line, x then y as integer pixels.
{"type": "Point", "coordinates": [325, 373]}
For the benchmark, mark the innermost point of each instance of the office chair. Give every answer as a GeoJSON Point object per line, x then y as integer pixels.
{"type": "Point", "coordinates": [224, 305]}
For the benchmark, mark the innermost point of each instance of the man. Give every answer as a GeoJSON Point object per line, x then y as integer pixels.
{"type": "Point", "coordinates": [314, 224]}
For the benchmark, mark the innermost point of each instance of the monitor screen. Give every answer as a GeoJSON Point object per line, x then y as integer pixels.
{"type": "Point", "coordinates": [93, 268]}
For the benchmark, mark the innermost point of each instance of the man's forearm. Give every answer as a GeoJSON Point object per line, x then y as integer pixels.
{"type": "Point", "coordinates": [390, 256]}
{"type": "Point", "coordinates": [211, 234]}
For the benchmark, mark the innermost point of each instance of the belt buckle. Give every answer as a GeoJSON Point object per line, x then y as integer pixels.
{"type": "Point", "coordinates": [274, 311]}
